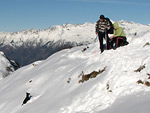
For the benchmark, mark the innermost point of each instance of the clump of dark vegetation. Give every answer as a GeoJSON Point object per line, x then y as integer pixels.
{"type": "Point", "coordinates": [140, 68]}
{"type": "Point", "coordinates": [148, 74]}
{"type": "Point", "coordinates": [69, 80]}
{"type": "Point", "coordinates": [135, 33]}
{"type": "Point", "coordinates": [30, 81]}
{"type": "Point", "coordinates": [9, 69]}
{"type": "Point", "coordinates": [108, 87]}
{"type": "Point", "coordinates": [34, 65]}
{"type": "Point", "coordinates": [140, 82]}
{"type": "Point", "coordinates": [147, 44]}
{"type": "Point", "coordinates": [93, 74]}
{"type": "Point", "coordinates": [147, 83]}
{"type": "Point", "coordinates": [84, 49]}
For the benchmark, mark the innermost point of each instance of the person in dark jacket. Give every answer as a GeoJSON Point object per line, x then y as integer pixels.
{"type": "Point", "coordinates": [102, 27]}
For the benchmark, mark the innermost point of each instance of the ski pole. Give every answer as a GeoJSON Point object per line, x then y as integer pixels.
{"type": "Point", "coordinates": [106, 38]}
{"type": "Point", "coordinates": [96, 38]}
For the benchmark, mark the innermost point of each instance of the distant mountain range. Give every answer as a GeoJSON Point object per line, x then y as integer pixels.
{"type": "Point", "coordinates": [28, 46]}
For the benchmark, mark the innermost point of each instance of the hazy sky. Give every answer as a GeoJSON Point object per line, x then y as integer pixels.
{"type": "Point", "coordinates": [17, 15]}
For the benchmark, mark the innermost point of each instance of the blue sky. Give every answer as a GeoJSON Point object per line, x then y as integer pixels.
{"type": "Point", "coordinates": [17, 15]}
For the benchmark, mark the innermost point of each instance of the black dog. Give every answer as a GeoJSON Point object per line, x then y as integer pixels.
{"type": "Point", "coordinates": [28, 97]}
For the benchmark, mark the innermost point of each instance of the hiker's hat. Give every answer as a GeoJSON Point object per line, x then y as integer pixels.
{"type": "Point", "coordinates": [102, 17]}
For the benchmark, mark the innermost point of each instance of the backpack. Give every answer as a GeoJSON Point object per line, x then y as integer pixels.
{"type": "Point", "coordinates": [110, 31]}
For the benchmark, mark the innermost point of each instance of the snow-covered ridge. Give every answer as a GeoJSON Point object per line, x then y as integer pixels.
{"type": "Point", "coordinates": [82, 33]}
{"type": "Point", "coordinates": [66, 32]}
{"type": "Point", "coordinates": [131, 27]}
{"type": "Point", "coordinates": [54, 83]}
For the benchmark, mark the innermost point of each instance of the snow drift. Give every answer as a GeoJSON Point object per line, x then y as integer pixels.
{"type": "Point", "coordinates": [54, 83]}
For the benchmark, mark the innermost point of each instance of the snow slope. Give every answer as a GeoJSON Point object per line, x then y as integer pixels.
{"type": "Point", "coordinates": [54, 82]}
{"type": "Point", "coordinates": [135, 103]}
{"type": "Point", "coordinates": [6, 66]}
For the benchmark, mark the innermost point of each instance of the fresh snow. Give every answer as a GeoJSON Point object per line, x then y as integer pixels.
{"type": "Point", "coordinates": [54, 82]}
{"type": "Point", "coordinates": [135, 103]}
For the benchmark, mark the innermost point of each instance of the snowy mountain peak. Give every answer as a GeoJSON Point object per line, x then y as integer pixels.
{"type": "Point", "coordinates": [80, 33]}
{"type": "Point", "coordinates": [67, 32]}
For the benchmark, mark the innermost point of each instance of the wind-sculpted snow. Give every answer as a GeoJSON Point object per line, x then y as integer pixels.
{"type": "Point", "coordinates": [54, 83]}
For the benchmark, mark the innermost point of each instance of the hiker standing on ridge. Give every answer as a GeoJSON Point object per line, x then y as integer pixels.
{"type": "Point", "coordinates": [102, 27]}
{"type": "Point", "coordinates": [119, 37]}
